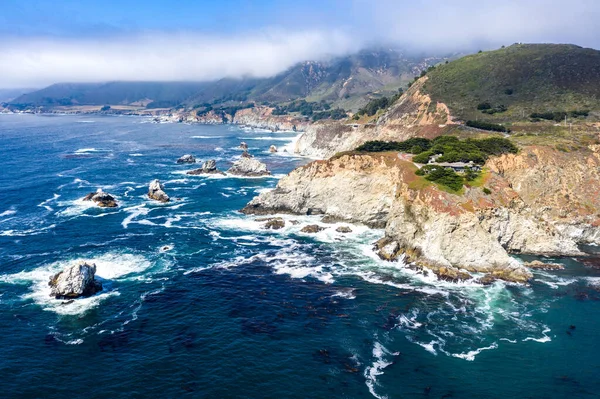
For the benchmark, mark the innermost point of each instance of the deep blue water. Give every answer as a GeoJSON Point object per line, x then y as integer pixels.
{"type": "Point", "coordinates": [231, 310]}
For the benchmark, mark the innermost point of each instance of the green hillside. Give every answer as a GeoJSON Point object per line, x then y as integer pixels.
{"type": "Point", "coordinates": [512, 83]}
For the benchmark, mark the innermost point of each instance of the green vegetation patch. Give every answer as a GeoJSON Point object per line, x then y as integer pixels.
{"type": "Point", "coordinates": [377, 104]}
{"type": "Point", "coordinates": [450, 148]}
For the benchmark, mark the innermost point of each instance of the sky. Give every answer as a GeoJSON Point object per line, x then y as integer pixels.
{"type": "Point", "coordinates": [45, 42]}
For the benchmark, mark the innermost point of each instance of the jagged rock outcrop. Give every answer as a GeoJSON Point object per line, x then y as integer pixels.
{"type": "Point", "coordinates": [272, 148]}
{"type": "Point", "coordinates": [209, 167]}
{"type": "Point", "coordinates": [528, 211]}
{"type": "Point", "coordinates": [77, 280]}
{"type": "Point", "coordinates": [250, 167]}
{"type": "Point", "coordinates": [187, 158]}
{"type": "Point", "coordinates": [272, 223]}
{"type": "Point", "coordinates": [262, 118]}
{"type": "Point", "coordinates": [102, 199]}
{"type": "Point", "coordinates": [156, 191]}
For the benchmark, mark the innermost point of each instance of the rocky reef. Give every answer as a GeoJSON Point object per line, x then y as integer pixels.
{"type": "Point", "coordinates": [77, 280]}
{"type": "Point", "coordinates": [542, 202]}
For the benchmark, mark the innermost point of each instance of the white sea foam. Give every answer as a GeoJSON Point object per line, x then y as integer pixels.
{"type": "Point", "coordinates": [470, 356]}
{"type": "Point", "coordinates": [206, 137]}
{"type": "Point", "coordinates": [376, 368]}
{"type": "Point", "coordinates": [268, 138]}
{"type": "Point", "coordinates": [136, 155]}
{"type": "Point", "coordinates": [543, 339]}
{"type": "Point", "coordinates": [26, 232]}
{"type": "Point", "coordinates": [7, 213]}
{"type": "Point", "coordinates": [89, 150]}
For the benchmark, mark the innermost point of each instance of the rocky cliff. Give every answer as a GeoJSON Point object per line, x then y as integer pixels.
{"type": "Point", "coordinates": [542, 202]}
{"type": "Point", "coordinates": [413, 115]}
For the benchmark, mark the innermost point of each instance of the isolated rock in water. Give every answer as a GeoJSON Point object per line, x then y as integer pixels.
{"type": "Point", "coordinates": [208, 167]}
{"type": "Point", "coordinates": [344, 229]}
{"type": "Point", "coordinates": [244, 146]}
{"type": "Point", "coordinates": [249, 167]}
{"type": "Point", "coordinates": [272, 148]}
{"type": "Point", "coordinates": [156, 191]}
{"type": "Point", "coordinates": [187, 158]}
{"type": "Point", "coordinates": [101, 199]}
{"type": "Point", "coordinates": [246, 154]}
{"type": "Point", "coordinates": [75, 281]}
{"type": "Point", "coordinates": [312, 228]}
{"type": "Point", "coordinates": [487, 279]}
{"type": "Point", "coordinates": [536, 264]}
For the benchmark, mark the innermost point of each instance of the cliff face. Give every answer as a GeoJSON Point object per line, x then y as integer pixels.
{"type": "Point", "coordinates": [413, 115]}
{"type": "Point", "coordinates": [263, 118]}
{"type": "Point", "coordinates": [528, 211]}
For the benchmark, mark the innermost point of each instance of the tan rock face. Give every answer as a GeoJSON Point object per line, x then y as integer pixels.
{"type": "Point", "coordinates": [447, 233]}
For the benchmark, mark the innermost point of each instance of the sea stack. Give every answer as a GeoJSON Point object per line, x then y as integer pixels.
{"type": "Point", "coordinates": [156, 191]}
{"type": "Point", "coordinates": [249, 167]}
{"type": "Point", "coordinates": [187, 158]}
{"type": "Point", "coordinates": [77, 280]}
{"type": "Point", "coordinates": [102, 199]}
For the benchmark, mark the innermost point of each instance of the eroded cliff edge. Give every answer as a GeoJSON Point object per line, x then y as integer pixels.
{"type": "Point", "coordinates": [542, 202]}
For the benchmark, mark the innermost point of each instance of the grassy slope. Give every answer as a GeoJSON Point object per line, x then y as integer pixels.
{"type": "Point", "coordinates": [543, 77]}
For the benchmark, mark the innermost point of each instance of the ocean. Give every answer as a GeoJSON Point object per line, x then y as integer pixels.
{"type": "Point", "coordinates": [200, 301]}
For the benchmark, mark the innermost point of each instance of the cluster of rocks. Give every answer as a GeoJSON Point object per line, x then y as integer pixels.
{"type": "Point", "coordinates": [77, 280]}
{"type": "Point", "coordinates": [102, 199]}
{"type": "Point", "coordinates": [276, 223]}
{"type": "Point", "coordinates": [249, 167]}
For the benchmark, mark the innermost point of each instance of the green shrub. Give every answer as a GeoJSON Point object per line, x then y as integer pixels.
{"type": "Point", "coordinates": [487, 191]}
{"type": "Point", "coordinates": [487, 126]}
{"type": "Point", "coordinates": [441, 175]}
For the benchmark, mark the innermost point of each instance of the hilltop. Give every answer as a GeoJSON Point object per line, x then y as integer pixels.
{"type": "Point", "coordinates": [512, 83]}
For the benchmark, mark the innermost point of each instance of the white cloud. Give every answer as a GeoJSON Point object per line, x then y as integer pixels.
{"type": "Point", "coordinates": [427, 25]}
{"type": "Point", "coordinates": [163, 57]}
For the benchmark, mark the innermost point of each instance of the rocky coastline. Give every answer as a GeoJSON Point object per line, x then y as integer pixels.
{"type": "Point", "coordinates": [541, 203]}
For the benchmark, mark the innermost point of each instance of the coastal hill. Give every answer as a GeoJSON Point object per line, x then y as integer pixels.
{"type": "Point", "coordinates": [344, 82]}
{"type": "Point", "coordinates": [511, 83]}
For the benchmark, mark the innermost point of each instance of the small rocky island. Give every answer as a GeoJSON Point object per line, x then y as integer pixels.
{"type": "Point", "coordinates": [249, 167]}
{"type": "Point", "coordinates": [187, 158]}
{"type": "Point", "coordinates": [156, 191]}
{"type": "Point", "coordinates": [75, 281]}
{"type": "Point", "coordinates": [102, 199]}
{"type": "Point", "coordinates": [209, 167]}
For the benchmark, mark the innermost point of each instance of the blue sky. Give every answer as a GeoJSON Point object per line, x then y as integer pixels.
{"type": "Point", "coordinates": [45, 41]}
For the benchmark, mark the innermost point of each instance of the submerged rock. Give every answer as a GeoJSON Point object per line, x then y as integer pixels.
{"type": "Point", "coordinates": [487, 279]}
{"type": "Point", "coordinates": [101, 199]}
{"type": "Point", "coordinates": [312, 228]}
{"type": "Point", "coordinates": [272, 148]}
{"type": "Point", "coordinates": [344, 229]}
{"type": "Point", "coordinates": [249, 167]}
{"type": "Point", "coordinates": [156, 191]}
{"type": "Point", "coordinates": [536, 264]}
{"type": "Point", "coordinates": [208, 167]}
{"type": "Point", "coordinates": [187, 158]}
{"type": "Point", "coordinates": [75, 281]}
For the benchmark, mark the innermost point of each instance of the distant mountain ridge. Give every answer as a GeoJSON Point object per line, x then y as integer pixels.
{"type": "Point", "coordinates": [343, 81]}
